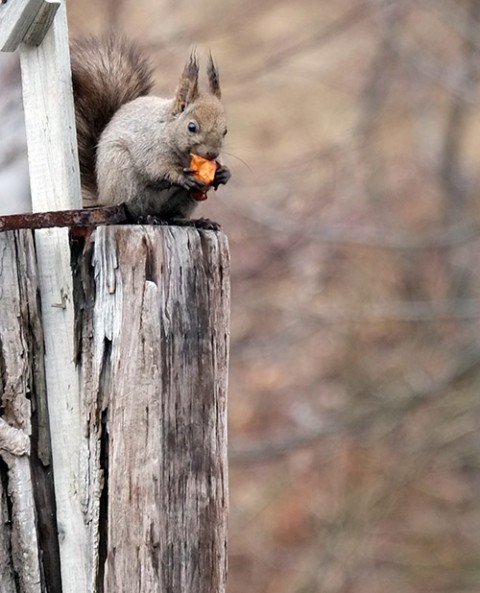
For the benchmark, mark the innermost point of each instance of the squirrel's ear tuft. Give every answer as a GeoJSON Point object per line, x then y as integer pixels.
{"type": "Point", "coordinates": [213, 78]}
{"type": "Point", "coordinates": [187, 89]}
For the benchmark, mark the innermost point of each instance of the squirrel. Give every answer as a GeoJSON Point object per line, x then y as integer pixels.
{"type": "Point", "coordinates": [135, 148]}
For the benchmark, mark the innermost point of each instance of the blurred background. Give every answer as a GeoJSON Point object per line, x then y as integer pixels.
{"type": "Point", "coordinates": [354, 226]}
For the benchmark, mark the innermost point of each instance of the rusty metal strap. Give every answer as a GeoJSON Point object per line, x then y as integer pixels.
{"type": "Point", "coordinates": [86, 217]}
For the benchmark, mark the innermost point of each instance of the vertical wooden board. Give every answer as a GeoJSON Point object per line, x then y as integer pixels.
{"type": "Point", "coordinates": [165, 296]}
{"type": "Point", "coordinates": [55, 185]}
{"type": "Point", "coordinates": [68, 440]}
{"type": "Point", "coordinates": [50, 120]}
{"type": "Point", "coordinates": [42, 22]}
{"type": "Point", "coordinates": [15, 20]}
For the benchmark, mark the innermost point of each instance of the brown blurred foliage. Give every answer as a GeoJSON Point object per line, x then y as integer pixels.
{"type": "Point", "coordinates": [354, 225]}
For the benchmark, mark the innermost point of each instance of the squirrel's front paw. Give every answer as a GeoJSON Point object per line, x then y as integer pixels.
{"type": "Point", "coordinates": [191, 183]}
{"type": "Point", "coordinates": [222, 175]}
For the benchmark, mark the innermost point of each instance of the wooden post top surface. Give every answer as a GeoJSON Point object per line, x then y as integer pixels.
{"type": "Point", "coordinates": [25, 21]}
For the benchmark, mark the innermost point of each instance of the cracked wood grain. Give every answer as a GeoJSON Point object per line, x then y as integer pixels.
{"type": "Point", "coordinates": [153, 352]}
{"type": "Point", "coordinates": [27, 498]}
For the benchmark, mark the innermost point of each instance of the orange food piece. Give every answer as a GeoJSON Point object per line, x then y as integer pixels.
{"type": "Point", "coordinates": [205, 169]}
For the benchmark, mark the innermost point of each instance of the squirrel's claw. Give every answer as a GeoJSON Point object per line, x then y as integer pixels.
{"type": "Point", "coordinates": [222, 175]}
{"type": "Point", "coordinates": [206, 224]}
{"type": "Point", "coordinates": [199, 223]}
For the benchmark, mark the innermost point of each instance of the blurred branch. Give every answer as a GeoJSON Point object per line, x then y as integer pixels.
{"type": "Point", "coordinates": [256, 451]}
{"type": "Point", "coordinates": [351, 423]}
{"type": "Point", "coordinates": [455, 183]}
{"type": "Point", "coordinates": [456, 16]}
{"type": "Point", "coordinates": [345, 234]}
{"type": "Point", "coordinates": [226, 23]}
{"type": "Point", "coordinates": [407, 311]}
{"type": "Point", "coordinates": [114, 12]}
{"type": "Point", "coordinates": [421, 61]}
{"type": "Point", "coordinates": [372, 102]}
{"type": "Point", "coordinates": [281, 55]}
{"type": "Point", "coordinates": [395, 239]}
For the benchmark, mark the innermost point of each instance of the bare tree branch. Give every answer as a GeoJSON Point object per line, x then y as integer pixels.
{"type": "Point", "coordinates": [421, 61]}
{"type": "Point", "coordinates": [355, 423]}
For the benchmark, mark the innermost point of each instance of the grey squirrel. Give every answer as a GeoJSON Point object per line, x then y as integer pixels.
{"type": "Point", "coordinates": [134, 148]}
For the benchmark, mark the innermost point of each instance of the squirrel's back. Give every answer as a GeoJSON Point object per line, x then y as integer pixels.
{"type": "Point", "coordinates": [106, 74]}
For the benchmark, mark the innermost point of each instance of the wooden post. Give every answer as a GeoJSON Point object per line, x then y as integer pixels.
{"type": "Point", "coordinates": [152, 319]}
{"type": "Point", "coordinates": [153, 307]}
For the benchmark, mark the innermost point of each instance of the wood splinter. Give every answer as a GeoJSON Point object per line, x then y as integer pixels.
{"type": "Point", "coordinates": [13, 440]}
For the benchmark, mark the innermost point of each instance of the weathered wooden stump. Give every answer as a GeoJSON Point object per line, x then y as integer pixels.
{"type": "Point", "coordinates": [151, 317]}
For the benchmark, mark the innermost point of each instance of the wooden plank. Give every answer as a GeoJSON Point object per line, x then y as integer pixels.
{"type": "Point", "coordinates": [154, 313]}
{"type": "Point", "coordinates": [55, 185]}
{"type": "Point", "coordinates": [42, 22]}
{"type": "Point", "coordinates": [16, 17]}
{"type": "Point", "coordinates": [50, 121]}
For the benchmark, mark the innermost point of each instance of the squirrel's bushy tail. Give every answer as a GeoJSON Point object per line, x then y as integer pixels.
{"type": "Point", "coordinates": [106, 74]}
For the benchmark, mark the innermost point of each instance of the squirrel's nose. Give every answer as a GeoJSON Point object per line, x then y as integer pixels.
{"type": "Point", "coordinates": [211, 155]}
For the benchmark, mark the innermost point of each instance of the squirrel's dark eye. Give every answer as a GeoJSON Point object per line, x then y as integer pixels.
{"type": "Point", "coordinates": [225, 132]}
{"type": "Point", "coordinates": [192, 127]}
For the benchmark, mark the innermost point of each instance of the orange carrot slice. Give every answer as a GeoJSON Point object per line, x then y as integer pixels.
{"type": "Point", "coordinates": [204, 170]}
